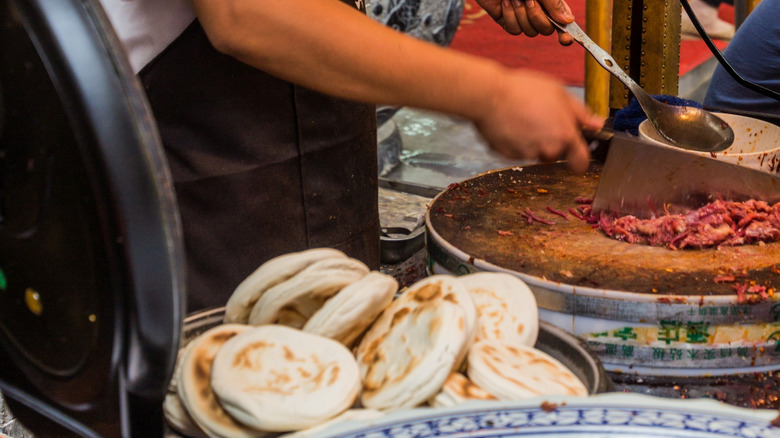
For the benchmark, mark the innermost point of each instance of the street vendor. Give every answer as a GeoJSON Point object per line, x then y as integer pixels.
{"type": "Point", "coordinates": [266, 112]}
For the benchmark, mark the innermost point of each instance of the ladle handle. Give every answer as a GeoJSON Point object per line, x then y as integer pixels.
{"type": "Point", "coordinates": [602, 57]}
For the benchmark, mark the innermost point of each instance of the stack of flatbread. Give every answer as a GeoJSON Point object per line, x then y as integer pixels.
{"type": "Point", "coordinates": [321, 291]}
{"type": "Point", "coordinates": [446, 340]}
{"type": "Point", "coordinates": [315, 337]}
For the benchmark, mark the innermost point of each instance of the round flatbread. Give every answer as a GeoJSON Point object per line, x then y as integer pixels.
{"type": "Point", "coordinates": [276, 378]}
{"type": "Point", "coordinates": [516, 372]}
{"type": "Point", "coordinates": [458, 389]}
{"type": "Point", "coordinates": [194, 388]}
{"type": "Point", "coordinates": [269, 274]}
{"type": "Point", "coordinates": [294, 301]}
{"type": "Point", "coordinates": [178, 418]}
{"type": "Point", "coordinates": [433, 289]}
{"type": "Point", "coordinates": [173, 384]}
{"type": "Point", "coordinates": [408, 364]}
{"type": "Point", "coordinates": [346, 315]}
{"type": "Point", "coordinates": [349, 415]}
{"type": "Point", "coordinates": [506, 308]}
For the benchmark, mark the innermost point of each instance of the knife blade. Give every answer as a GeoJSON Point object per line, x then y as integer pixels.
{"type": "Point", "coordinates": [646, 180]}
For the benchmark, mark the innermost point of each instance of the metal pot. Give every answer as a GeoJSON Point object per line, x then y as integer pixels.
{"type": "Point", "coordinates": [645, 311]}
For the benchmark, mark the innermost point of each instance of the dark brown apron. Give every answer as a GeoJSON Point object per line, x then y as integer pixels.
{"type": "Point", "coordinates": [261, 167]}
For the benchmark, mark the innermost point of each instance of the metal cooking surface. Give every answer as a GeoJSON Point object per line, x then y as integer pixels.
{"type": "Point", "coordinates": [482, 216]}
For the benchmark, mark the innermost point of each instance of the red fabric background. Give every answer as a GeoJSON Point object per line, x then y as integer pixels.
{"type": "Point", "coordinates": [480, 35]}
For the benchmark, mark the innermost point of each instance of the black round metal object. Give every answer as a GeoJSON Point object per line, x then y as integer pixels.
{"type": "Point", "coordinates": [484, 217]}
{"type": "Point", "coordinates": [91, 259]}
{"type": "Point", "coordinates": [574, 355]}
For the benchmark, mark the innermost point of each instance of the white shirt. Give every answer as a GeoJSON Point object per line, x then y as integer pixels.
{"type": "Point", "coordinates": [147, 27]}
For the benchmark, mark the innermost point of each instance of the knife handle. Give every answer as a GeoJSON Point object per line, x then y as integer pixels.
{"type": "Point", "coordinates": [598, 143]}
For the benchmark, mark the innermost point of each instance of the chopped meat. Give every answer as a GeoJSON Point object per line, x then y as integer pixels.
{"type": "Point", "coordinates": [529, 215]}
{"type": "Point", "coordinates": [724, 279]}
{"type": "Point", "coordinates": [558, 212]}
{"type": "Point", "coordinates": [718, 223]}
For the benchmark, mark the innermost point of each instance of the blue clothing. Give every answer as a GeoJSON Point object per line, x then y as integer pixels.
{"type": "Point", "coordinates": [755, 54]}
{"type": "Point", "coordinates": [628, 119]}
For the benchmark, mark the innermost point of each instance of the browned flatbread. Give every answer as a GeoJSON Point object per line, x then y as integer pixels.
{"type": "Point", "coordinates": [268, 275]}
{"type": "Point", "coordinates": [516, 372]}
{"type": "Point", "coordinates": [277, 378]}
{"type": "Point", "coordinates": [458, 389]}
{"type": "Point", "coordinates": [506, 307]}
{"type": "Point", "coordinates": [293, 301]}
{"type": "Point", "coordinates": [407, 354]}
{"type": "Point", "coordinates": [194, 384]}
{"type": "Point", "coordinates": [346, 315]}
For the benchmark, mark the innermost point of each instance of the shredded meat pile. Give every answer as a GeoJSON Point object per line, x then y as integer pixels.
{"type": "Point", "coordinates": [717, 223]}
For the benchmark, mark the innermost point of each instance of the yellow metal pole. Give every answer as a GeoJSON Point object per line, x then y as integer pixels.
{"type": "Point", "coordinates": [646, 45]}
{"type": "Point", "coordinates": [598, 25]}
{"type": "Point", "coordinates": [751, 4]}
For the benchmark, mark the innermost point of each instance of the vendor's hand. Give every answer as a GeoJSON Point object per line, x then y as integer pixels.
{"type": "Point", "coordinates": [527, 16]}
{"type": "Point", "coordinates": [534, 117]}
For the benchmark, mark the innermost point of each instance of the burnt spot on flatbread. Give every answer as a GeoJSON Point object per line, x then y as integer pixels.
{"type": "Point", "coordinates": [205, 392]}
{"type": "Point", "coordinates": [222, 337]}
{"type": "Point", "coordinates": [280, 378]}
{"type": "Point", "coordinates": [492, 353]}
{"type": "Point", "coordinates": [516, 352]}
{"type": "Point", "coordinates": [494, 314]}
{"type": "Point", "coordinates": [334, 376]}
{"type": "Point", "coordinates": [243, 359]}
{"type": "Point", "coordinates": [428, 292]}
{"type": "Point", "coordinates": [434, 324]}
{"type": "Point", "coordinates": [451, 298]}
{"type": "Point", "coordinates": [471, 390]}
{"type": "Point", "coordinates": [465, 388]}
{"type": "Point", "coordinates": [304, 373]}
{"type": "Point", "coordinates": [511, 379]}
{"type": "Point", "coordinates": [372, 384]}
{"type": "Point", "coordinates": [372, 353]}
{"type": "Point", "coordinates": [485, 332]}
{"type": "Point", "coordinates": [374, 378]}
{"type": "Point", "coordinates": [551, 373]}
{"type": "Point", "coordinates": [210, 401]}
{"type": "Point", "coordinates": [211, 408]}
{"type": "Point", "coordinates": [399, 315]}
{"type": "Point", "coordinates": [290, 355]}
{"type": "Point", "coordinates": [202, 365]}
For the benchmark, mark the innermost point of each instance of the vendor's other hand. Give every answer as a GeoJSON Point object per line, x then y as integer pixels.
{"type": "Point", "coordinates": [527, 16]}
{"type": "Point", "coordinates": [534, 117]}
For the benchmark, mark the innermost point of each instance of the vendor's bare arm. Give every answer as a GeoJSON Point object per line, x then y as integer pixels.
{"type": "Point", "coordinates": [327, 46]}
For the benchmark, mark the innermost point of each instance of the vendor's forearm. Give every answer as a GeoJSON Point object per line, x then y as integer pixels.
{"type": "Point", "coordinates": [328, 46]}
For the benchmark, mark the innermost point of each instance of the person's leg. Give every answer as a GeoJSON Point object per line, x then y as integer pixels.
{"type": "Point", "coordinates": [706, 12]}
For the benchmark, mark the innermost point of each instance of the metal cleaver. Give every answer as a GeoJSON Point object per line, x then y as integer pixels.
{"type": "Point", "coordinates": [645, 180]}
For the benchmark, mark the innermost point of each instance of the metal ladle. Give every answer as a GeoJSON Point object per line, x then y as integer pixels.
{"type": "Point", "coordinates": [683, 126]}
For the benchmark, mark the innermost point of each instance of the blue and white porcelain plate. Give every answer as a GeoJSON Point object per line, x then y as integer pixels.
{"type": "Point", "coordinates": [611, 415]}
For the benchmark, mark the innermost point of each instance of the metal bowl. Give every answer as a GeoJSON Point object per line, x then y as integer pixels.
{"type": "Point", "coordinates": [756, 142]}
